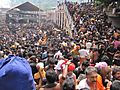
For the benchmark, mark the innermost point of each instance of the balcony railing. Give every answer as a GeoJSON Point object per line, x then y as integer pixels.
{"type": "Point", "coordinates": [69, 17]}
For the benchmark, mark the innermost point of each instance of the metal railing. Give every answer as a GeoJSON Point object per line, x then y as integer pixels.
{"type": "Point", "coordinates": [69, 17]}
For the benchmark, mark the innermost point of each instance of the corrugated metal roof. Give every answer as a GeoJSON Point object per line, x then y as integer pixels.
{"type": "Point", "coordinates": [27, 6]}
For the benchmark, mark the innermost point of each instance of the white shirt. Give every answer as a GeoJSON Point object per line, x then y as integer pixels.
{"type": "Point", "coordinates": [88, 45]}
{"type": "Point", "coordinates": [83, 53]}
{"type": "Point", "coordinates": [83, 84]}
{"type": "Point", "coordinates": [58, 54]}
{"type": "Point", "coordinates": [58, 66]}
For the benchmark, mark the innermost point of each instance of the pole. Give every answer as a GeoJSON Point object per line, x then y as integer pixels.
{"type": "Point", "coordinates": [39, 12]}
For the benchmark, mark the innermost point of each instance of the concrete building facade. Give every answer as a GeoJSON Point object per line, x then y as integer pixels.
{"type": "Point", "coordinates": [24, 13]}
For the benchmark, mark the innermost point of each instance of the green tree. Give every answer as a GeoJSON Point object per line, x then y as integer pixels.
{"type": "Point", "coordinates": [107, 1]}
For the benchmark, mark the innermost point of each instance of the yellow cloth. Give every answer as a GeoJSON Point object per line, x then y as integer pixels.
{"type": "Point", "coordinates": [75, 50]}
{"type": "Point", "coordinates": [42, 72]}
{"type": "Point", "coordinates": [36, 75]}
{"type": "Point", "coordinates": [116, 34]}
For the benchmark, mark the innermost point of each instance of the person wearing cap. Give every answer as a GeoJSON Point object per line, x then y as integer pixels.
{"type": "Point", "coordinates": [68, 69]}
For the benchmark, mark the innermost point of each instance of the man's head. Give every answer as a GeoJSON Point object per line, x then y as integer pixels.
{"type": "Point", "coordinates": [91, 74]}
{"type": "Point", "coordinates": [85, 64]}
{"type": "Point", "coordinates": [116, 58]}
{"type": "Point", "coordinates": [116, 72]}
{"type": "Point", "coordinates": [51, 76]}
{"type": "Point", "coordinates": [115, 85]}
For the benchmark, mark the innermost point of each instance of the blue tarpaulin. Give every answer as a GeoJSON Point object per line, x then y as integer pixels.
{"type": "Point", "coordinates": [15, 74]}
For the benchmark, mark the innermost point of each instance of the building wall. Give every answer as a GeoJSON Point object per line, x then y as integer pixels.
{"type": "Point", "coordinates": [62, 18]}
{"type": "Point", "coordinates": [27, 16]}
{"type": "Point", "coordinates": [3, 15]}
{"type": "Point", "coordinates": [115, 21]}
{"type": "Point", "coordinates": [21, 15]}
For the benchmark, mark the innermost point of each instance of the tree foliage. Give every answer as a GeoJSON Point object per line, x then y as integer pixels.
{"type": "Point", "coordinates": [107, 1]}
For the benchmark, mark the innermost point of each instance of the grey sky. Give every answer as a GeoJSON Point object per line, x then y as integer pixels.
{"type": "Point", "coordinates": [44, 4]}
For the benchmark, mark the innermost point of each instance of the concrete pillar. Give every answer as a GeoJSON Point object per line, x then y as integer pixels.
{"type": "Point", "coordinates": [63, 21]}
{"type": "Point", "coordinates": [60, 19]}
{"type": "Point", "coordinates": [27, 20]}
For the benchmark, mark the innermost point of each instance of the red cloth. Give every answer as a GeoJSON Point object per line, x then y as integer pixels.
{"type": "Point", "coordinates": [71, 67]}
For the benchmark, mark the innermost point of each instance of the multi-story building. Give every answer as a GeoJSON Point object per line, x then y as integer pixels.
{"type": "Point", "coordinates": [3, 15]}
{"type": "Point", "coordinates": [24, 13]}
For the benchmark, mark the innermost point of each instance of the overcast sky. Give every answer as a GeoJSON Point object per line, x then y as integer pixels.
{"type": "Point", "coordinates": [44, 4]}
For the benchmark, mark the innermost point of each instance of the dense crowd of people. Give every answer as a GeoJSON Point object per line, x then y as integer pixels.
{"type": "Point", "coordinates": [89, 60]}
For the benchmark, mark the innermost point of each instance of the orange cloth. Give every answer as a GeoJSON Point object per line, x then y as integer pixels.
{"type": "Point", "coordinates": [43, 41]}
{"type": "Point", "coordinates": [99, 83]}
{"type": "Point", "coordinates": [116, 34]}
